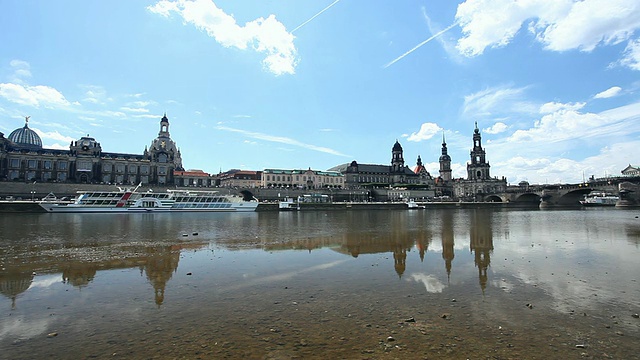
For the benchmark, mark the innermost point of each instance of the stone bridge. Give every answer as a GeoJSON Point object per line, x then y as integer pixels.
{"type": "Point", "coordinates": [566, 195]}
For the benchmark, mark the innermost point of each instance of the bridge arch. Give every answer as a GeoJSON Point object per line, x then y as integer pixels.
{"type": "Point", "coordinates": [493, 198]}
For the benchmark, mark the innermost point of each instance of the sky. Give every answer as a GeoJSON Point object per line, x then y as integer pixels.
{"type": "Point", "coordinates": [553, 85]}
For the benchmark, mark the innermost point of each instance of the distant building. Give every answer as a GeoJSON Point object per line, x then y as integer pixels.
{"type": "Point", "coordinates": [631, 171]}
{"type": "Point", "coordinates": [22, 158]}
{"type": "Point", "coordinates": [302, 179]}
{"type": "Point", "coordinates": [240, 178]}
{"type": "Point", "coordinates": [359, 176]}
{"type": "Point", "coordinates": [478, 182]}
{"type": "Point", "coordinates": [196, 178]}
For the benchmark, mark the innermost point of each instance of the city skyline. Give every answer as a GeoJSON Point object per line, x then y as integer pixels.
{"type": "Point", "coordinates": [553, 86]}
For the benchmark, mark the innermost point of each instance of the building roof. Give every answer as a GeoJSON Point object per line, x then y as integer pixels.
{"type": "Point", "coordinates": [194, 173]}
{"type": "Point", "coordinates": [25, 137]}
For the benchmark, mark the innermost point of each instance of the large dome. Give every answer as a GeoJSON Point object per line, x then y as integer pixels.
{"type": "Point", "coordinates": [25, 137]}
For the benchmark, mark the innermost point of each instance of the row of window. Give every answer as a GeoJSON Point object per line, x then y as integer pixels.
{"type": "Point", "coordinates": [82, 166]}
{"type": "Point", "coordinates": [33, 164]}
{"type": "Point", "coordinates": [203, 206]}
{"type": "Point", "coordinates": [304, 178]}
{"type": "Point", "coordinates": [31, 175]}
{"type": "Point", "coordinates": [132, 169]}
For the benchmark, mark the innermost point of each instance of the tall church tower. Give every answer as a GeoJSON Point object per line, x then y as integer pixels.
{"type": "Point", "coordinates": [397, 160]}
{"type": "Point", "coordinates": [478, 169]}
{"type": "Point", "coordinates": [164, 155]}
{"type": "Point", "coordinates": [445, 162]}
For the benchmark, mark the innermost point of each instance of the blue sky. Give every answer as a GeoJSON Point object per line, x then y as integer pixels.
{"type": "Point", "coordinates": [554, 85]}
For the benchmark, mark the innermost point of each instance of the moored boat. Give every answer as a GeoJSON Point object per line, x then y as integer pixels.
{"type": "Point", "coordinates": [599, 199]}
{"type": "Point", "coordinates": [289, 204]}
{"type": "Point", "coordinates": [413, 205]}
{"type": "Point", "coordinates": [124, 201]}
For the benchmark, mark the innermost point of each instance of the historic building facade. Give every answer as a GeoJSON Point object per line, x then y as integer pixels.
{"type": "Point", "coordinates": [22, 158]}
{"type": "Point", "coordinates": [397, 174]}
{"type": "Point", "coordinates": [302, 179]}
{"type": "Point", "coordinates": [193, 178]}
{"type": "Point", "coordinates": [478, 182]}
{"type": "Point", "coordinates": [631, 171]}
{"type": "Point", "coordinates": [240, 179]}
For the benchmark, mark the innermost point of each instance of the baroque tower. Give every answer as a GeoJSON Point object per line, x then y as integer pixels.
{"type": "Point", "coordinates": [478, 169]}
{"type": "Point", "coordinates": [397, 160]}
{"type": "Point", "coordinates": [445, 162]}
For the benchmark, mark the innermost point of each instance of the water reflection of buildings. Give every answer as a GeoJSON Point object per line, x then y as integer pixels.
{"type": "Point", "coordinates": [446, 235]}
{"type": "Point", "coordinates": [158, 262]}
{"type": "Point", "coordinates": [481, 243]}
{"type": "Point", "coordinates": [398, 237]}
{"type": "Point", "coordinates": [14, 282]}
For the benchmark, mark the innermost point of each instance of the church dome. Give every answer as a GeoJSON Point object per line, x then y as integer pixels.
{"type": "Point", "coordinates": [397, 146]}
{"type": "Point", "coordinates": [26, 137]}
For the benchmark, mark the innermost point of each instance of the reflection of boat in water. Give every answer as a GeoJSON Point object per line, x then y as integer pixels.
{"type": "Point", "coordinates": [412, 205]}
{"type": "Point", "coordinates": [289, 204]}
{"type": "Point", "coordinates": [123, 201]}
{"type": "Point", "coordinates": [599, 199]}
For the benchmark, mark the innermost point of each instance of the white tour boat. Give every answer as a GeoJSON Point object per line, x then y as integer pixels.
{"type": "Point", "coordinates": [599, 199]}
{"type": "Point", "coordinates": [289, 204]}
{"type": "Point", "coordinates": [126, 201]}
{"type": "Point", "coordinates": [413, 205]}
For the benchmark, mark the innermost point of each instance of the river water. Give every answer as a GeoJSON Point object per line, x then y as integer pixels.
{"type": "Point", "coordinates": [381, 284]}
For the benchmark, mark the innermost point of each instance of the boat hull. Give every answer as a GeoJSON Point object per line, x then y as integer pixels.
{"type": "Point", "coordinates": [57, 208]}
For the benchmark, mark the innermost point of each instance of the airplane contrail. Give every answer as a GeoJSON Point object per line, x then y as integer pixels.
{"type": "Point", "coordinates": [314, 16]}
{"type": "Point", "coordinates": [422, 43]}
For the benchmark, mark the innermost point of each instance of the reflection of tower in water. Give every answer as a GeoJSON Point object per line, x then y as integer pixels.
{"type": "Point", "coordinates": [14, 283]}
{"type": "Point", "coordinates": [481, 243]}
{"type": "Point", "coordinates": [161, 263]}
{"type": "Point", "coordinates": [447, 242]}
{"type": "Point", "coordinates": [400, 259]}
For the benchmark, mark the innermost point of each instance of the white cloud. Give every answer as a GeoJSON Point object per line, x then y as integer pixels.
{"type": "Point", "coordinates": [21, 69]}
{"type": "Point", "coordinates": [33, 95]}
{"type": "Point", "coordinates": [496, 128]}
{"type": "Point", "coordinates": [426, 132]}
{"type": "Point", "coordinates": [559, 25]}
{"type": "Point", "coordinates": [546, 151]}
{"type": "Point", "coordinates": [54, 135]}
{"type": "Point", "coordinates": [552, 107]}
{"type": "Point", "coordinates": [282, 140]}
{"type": "Point", "coordinates": [631, 55]}
{"type": "Point", "coordinates": [142, 104]}
{"type": "Point", "coordinates": [95, 94]}
{"type": "Point", "coordinates": [147, 116]}
{"type": "Point", "coordinates": [610, 92]}
{"type": "Point", "coordinates": [430, 282]}
{"type": "Point", "coordinates": [135, 110]}
{"type": "Point", "coordinates": [497, 100]}
{"type": "Point", "coordinates": [268, 36]}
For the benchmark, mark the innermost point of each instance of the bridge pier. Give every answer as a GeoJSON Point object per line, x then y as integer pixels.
{"type": "Point", "coordinates": [629, 194]}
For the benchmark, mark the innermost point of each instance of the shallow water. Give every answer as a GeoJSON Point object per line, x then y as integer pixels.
{"type": "Point", "coordinates": [478, 284]}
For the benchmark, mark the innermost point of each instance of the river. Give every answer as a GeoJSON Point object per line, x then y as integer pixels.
{"type": "Point", "coordinates": [381, 284]}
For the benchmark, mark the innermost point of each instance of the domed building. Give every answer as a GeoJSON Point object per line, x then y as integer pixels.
{"type": "Point", "coordinates": [22, 158]}
{"type": "Point", "coordinates": [25, 137]}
